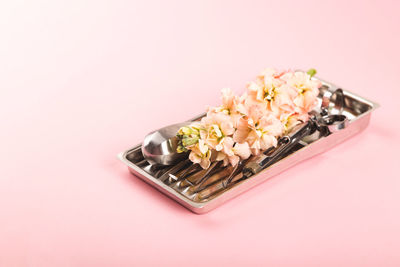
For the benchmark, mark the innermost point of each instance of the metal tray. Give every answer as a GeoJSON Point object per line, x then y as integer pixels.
{"type": "Point", "coordinates": [215, 192]}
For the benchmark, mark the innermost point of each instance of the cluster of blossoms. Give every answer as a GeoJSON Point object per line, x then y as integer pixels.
{"type": "Point", "coordinates": [251, 123]}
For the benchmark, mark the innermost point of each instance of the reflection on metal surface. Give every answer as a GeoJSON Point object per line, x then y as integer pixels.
{"type": "Point", "coordinates": [159, 147]}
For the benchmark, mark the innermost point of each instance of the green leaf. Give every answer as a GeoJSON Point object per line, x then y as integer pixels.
{"type": "Point", "coordinates": [189, 141]}
{"type": "Point", "coordinates": [312, 72]}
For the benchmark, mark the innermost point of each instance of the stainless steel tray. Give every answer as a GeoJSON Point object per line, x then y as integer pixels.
{"type": "Point", "coordinates": [214, 193]}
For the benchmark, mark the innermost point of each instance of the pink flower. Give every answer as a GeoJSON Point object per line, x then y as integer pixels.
{"type": "Point", "coordinates": [259, 129]}
{"type": "Point", "coordinates": [232, 106]}
{"type": "Point", "coordinates": [217, 127]}
{"type": "Point", "coordinates": [266, 84]}
{"type": "Point", "coordinates": [270, 72]}
{"type": "Point", "coordinates": [200, 153]}
{"type": "Point", "coordinates": [254, 99]}
{"type": "Point", "coordinates": [273, 92]}
{"type": "Point", "coordinates": [282, 101]}
{"type": "Point", "coordinates": [229, 100]}
{"type": "Point", "coordinates": [239, 152]}
{"type": "Point", "coordinates": [307, 90]}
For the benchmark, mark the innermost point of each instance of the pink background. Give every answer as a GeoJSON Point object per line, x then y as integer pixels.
{"type": "Point", "coordinates": [81, 81]}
